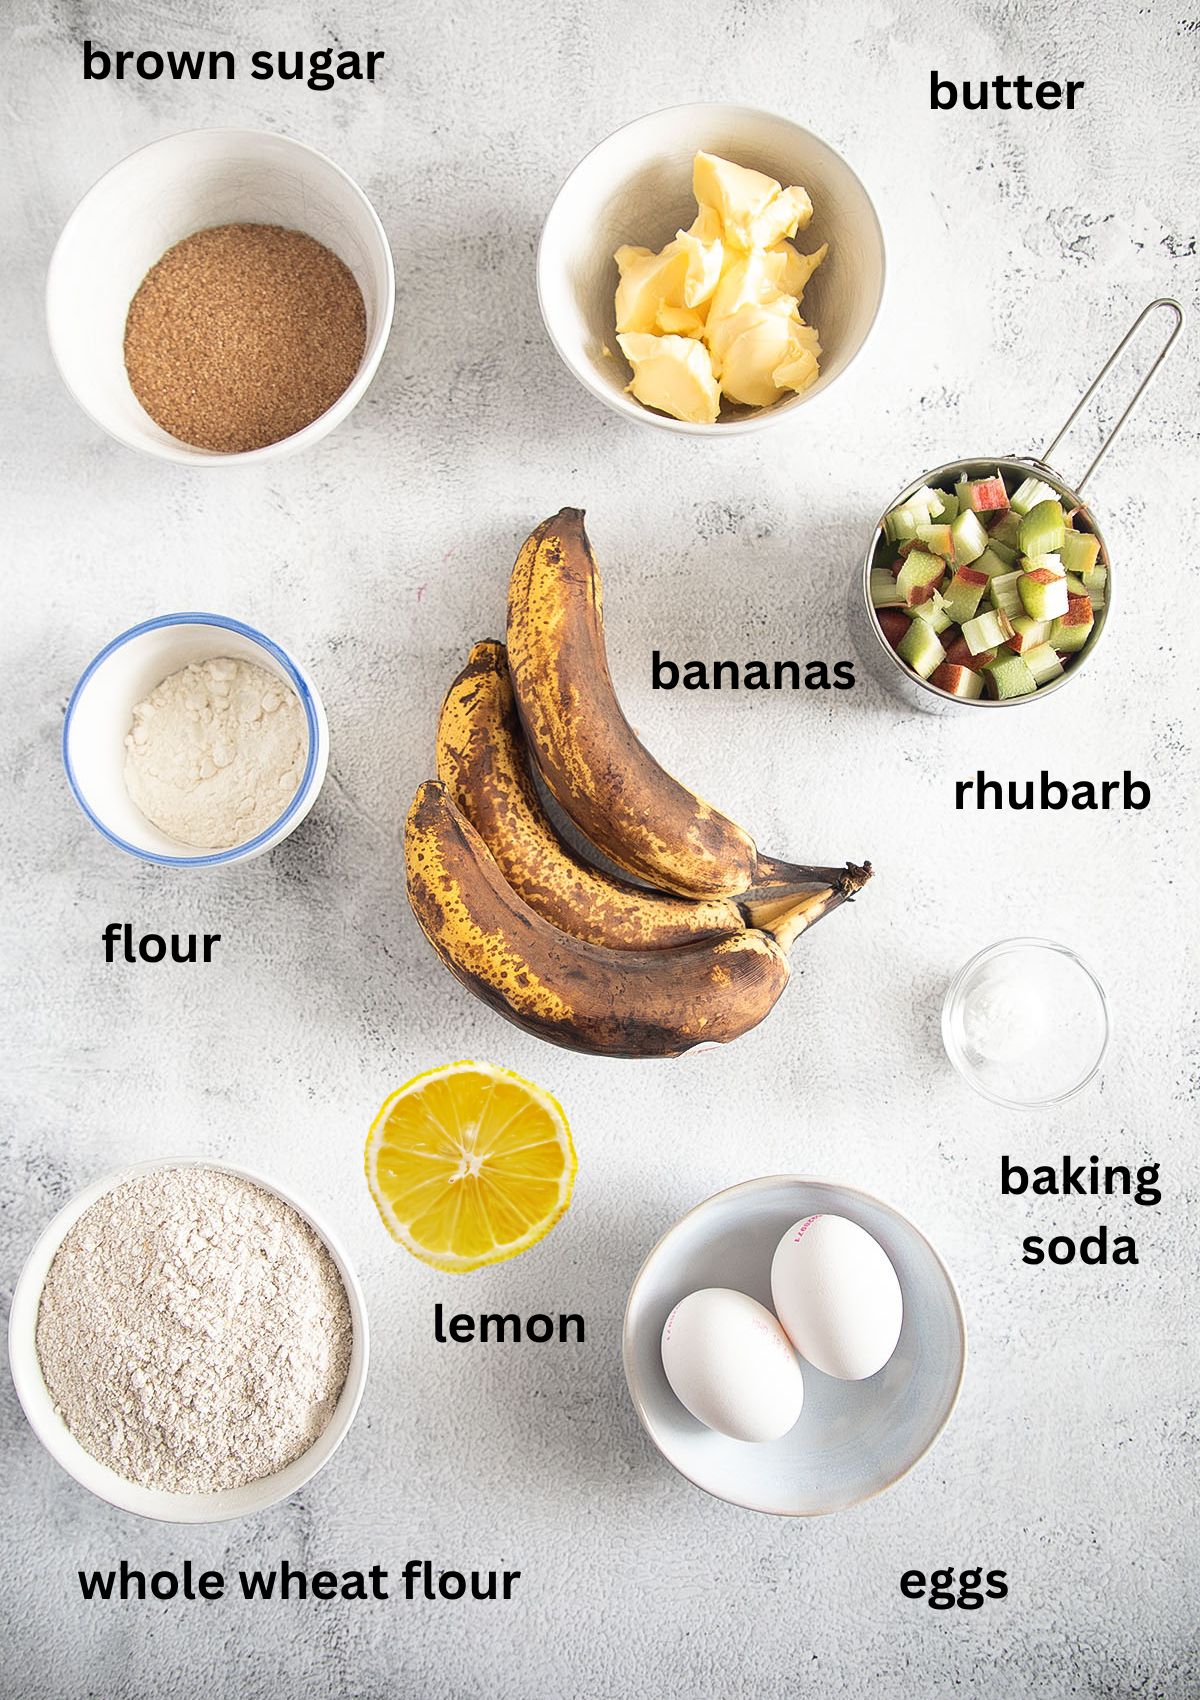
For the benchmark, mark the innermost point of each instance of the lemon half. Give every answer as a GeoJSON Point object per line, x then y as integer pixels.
{"type": "Point", "coordinates": [470, 1164]}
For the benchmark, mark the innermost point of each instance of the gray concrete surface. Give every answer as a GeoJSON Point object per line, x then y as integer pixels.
{"type": "Point", "coordinates": [1020, 246]}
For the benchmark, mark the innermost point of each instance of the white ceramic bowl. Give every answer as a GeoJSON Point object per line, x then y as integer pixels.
{"type": "Point", "coordinates": [61, 1444]}
{"type": "Point", "coordinates": [169, 190]}
{"type": "Point", "coordinates": [637, 187]}
{"type": "Point", "coordinates": [854, 1438]}
{"type": "Point", "coordinates": [100, 714]}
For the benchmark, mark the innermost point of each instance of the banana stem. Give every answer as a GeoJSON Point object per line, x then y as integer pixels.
{"type": "Point", "coordinates": [786, 914]}
{"type": "Point", "coordinates": [775, 875]}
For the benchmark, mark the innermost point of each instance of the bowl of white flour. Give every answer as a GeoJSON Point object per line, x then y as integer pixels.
{"type": "Point", "coordinates": [193, 740]}
{"type": "Point", "coordinates": [188, 1341]}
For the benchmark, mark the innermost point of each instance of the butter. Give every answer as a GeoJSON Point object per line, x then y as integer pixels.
{"type": "Point", "coordinates": [717, 312]}
{"type": "Point", "coordinates": [739, 197]}
{"type": "Point", "coordinates": [648, 281]}
{"type": "Point", "coordinates": [673, 374]}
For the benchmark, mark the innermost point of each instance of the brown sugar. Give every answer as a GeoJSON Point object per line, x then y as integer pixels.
{"type": "Point", "coordinates": [243, 334]}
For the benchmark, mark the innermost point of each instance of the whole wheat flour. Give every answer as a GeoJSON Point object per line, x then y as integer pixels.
{"type": "Point", "coordinates": [216, 753]}
{"type": "Point", "coordinates": [193, 1331]}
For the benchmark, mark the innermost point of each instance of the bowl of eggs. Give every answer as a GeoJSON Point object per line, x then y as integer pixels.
{"type": "Point", "coordinates": [794, 1346]}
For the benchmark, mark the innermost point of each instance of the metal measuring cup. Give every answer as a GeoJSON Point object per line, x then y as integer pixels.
{"type": "Point", "coordinates": [883, 660]}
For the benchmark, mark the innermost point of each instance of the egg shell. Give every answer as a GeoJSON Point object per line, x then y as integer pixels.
{"type": "Point", "coordinates": [731, 1364]}
{"type": "Point", "coordinates": [837, 1296]}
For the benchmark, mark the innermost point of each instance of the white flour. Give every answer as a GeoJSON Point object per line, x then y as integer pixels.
{"type": "Point", "coordinates": [216, 752]}
{"type": "Point", "coordinates": [193, 1331]}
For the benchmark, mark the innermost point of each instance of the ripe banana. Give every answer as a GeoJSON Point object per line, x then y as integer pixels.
{"type": "Point", "coordinates": [595, 766]}
{"type": "Point", "coordinates": [483, 762]}
{"type": "Point", "coordinates": [617, 1003]}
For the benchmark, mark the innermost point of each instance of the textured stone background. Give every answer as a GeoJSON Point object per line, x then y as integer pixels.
{"type": "Point", "coordinates": [1020, 246]}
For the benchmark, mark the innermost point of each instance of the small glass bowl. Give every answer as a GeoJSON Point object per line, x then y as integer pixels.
{"type": "Point", "coordinates": [958, 1048]}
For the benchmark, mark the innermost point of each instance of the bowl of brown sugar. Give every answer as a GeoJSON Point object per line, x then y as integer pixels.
{"type": "Point", "coordinates": [220, 295]}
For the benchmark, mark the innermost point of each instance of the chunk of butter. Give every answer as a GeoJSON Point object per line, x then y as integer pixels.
{"type": "Point", "coordinates": [717, 312]}
{"type": "Point", "coordinates": [648, 280]}
{"type": "Point", "coordinates": [738, 195]}
{"type": "Point", "coordinates": [673, 374]}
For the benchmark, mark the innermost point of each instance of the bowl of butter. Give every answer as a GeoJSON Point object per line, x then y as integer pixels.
{"type": "Point", "coordinates": [709, 268]}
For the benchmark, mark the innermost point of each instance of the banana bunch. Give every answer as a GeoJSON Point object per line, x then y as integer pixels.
{"type": "Point", "coordinates": [696, 954]}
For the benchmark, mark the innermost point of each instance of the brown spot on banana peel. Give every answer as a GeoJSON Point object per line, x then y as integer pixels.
{"type": "Point", "coordinates": [593, 763]}
{"type": "Point", "coordinates": [584, 997]}
{"type": "Point", "coordinates": [483, 762]}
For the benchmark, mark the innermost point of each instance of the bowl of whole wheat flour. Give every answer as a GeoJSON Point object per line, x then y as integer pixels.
{"type": "Point", "coordinates": [188, 1341]}
{"type": "Point", "coordinates": [193, 740]}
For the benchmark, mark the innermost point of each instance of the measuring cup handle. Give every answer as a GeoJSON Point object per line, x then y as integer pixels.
{"type": "Point", "coordinates": [1176, 311]}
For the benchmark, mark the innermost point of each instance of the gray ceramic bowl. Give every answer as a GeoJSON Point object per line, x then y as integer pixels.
{"type": "Point", "coordinates": [854, 1438]}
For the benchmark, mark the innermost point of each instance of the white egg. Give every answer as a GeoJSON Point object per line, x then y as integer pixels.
{"type": "Point", "coordinates": [837, 1296]}
{"type": "Point", "coordinates": [731, 1364]}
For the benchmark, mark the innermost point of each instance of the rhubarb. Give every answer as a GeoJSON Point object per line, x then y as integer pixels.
{"type": "Point", "coordinates": [919, 576]}
{"type": "Point", "coordinates": [1096, 585]}
{"type": "Point", "coordinates": [959, 681]}
{"type": "Point", "coordinates": [986, 631]}
{"type": "Point", "coordinates": [1027, 633]}
{"type": "Point", "coordinates": [1043, 663]}
{"type": "Point", "coordinates": [893, 624]}
{"type": "Point", "coordinates": [970, 539]}
{"type": "Point", "coordinates": [933, 611]}
{"type": "Point", "coordinates": [963, 594]}
{"type": "Point", "coordinates": [1080, 551]}
{"type": "Point", "coordinates": [986, 495]}
{"type": "Point", "coordinates": [1008, 676]}
{"type": "Point", "coordinates": [885, 592]}
{"type": "Point", "coordinates": [985, 587]}
{"type": "Point", "coordinates": [1071, 630]}
{"type": "Point", "coordinates": [1043, 529]}
{"type": "Point", "coordinates": [1044, 593]}
{"type": "Point", "coordinates": [921, 648]}
{"type": "Point", "coordinates": [1004, 593]}
{"type": "Point", "coordinates": [1029, 494]}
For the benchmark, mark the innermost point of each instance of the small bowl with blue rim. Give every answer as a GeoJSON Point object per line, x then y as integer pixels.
{"type": "Point", "coordinates": [100, 714]}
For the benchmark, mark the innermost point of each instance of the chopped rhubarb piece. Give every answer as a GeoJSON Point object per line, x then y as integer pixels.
{"type": "Point", "coordinates": [964, 593]}
{"type": "Point", "coordinates": [933, 612]}
{"type": "Point", "coordinates": [893, 624]}
{"type": "Point", "coordinates": [1043, 663]}
{"type": "Point", "coordinates": [921, 648]}
{"type": "Point", "coordinates": [885, 593]}
{"type": "Point", "coordinates": [997, 558]}
{"type": "Point", "coordinates": [970, 539]}
{"type": "Point", "coordinates": [920, 576]}
{"type": "Point", "coordinates": [1004, 594]}
{"type": "Point", "coordinates": [987, 631]}
{"type": "Point", "coordinates": [1071, 630]}
{"type": "Point", "coordinates": [1043, 529]}
{"type": "Point", "coordinates": [938, 539]}
{"type": "Point", "coordinates": [1006, 528]}
{"type": "Point", "coordinates": [957, 653]}
{"type": "Point", "coordinates": [1027, 633]}
{"type": "Point", "coordinates": [1029, 494]}
{"type": "Point", "coordinates": [986, 495]}
{"type": "Point", "coordinates": [959, 681]}
{"type": "Point", "coordinates": [1044, 594]}
{"type": "Point", "coordinates": [1008, 676]}
{"type": "Point", "coordinates": [1080, 551]}
{"type": "Point", "coordinates": [1095, 584]}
